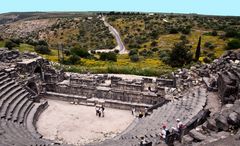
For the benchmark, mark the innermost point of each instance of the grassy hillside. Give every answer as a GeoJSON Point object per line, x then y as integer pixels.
{"type": "Point", "coordinates": [148, 36]}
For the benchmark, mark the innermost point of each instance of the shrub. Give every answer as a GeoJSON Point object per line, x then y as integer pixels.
{"type": "Point", "coordinates": [80, 52]}
{"type": "Point", "coordinates": [73, 59]}
{"type": "Point", "coordinates": [133, 52]}
{"type": "Point", "coordinates": [163, 53]}
{"type": "Point", "coordinates": [206, 60]}
{"type": "Point", "coordinates": [134, 58]}
{"type": "Point", "coordinates": [186, 30]}
{"type": "Point", "coordinates": [32, 42]}
{"type": "Point", "coordinates": [173, 31]}
{"type": "Point", "coordinates": [116, 51]}
{"type": "Point", "coordinates": [16, 41]}
{"type": "Point", "coordinates": [110, 56]}
{"type": "Point", "coordinates": [233, 44]}
{"type": "Point", "coordinates": [10, 44]}
{"type": "Point", "coordinates": [42, 43]}
{"type": "Point", "coordinates": [67, 52]}
{"type": "Point", "coordinates": [154, 49]}
{"type": "Point", "coordinates": [180, 55]}
{"type": "Point", "coordinates": [42, 49]}
{"type": "Point", "coordinates": [154, 43]}
{"type": "Point", "coordinates": [214, 33]}
{"type": "Point", "coordinates": [146, 53]}
{"type": "Point", "coordinates": [232, 33]}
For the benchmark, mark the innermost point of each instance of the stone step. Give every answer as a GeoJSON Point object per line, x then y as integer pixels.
{"type": "Point", "coordinates": [5, 91]}
{"type": "Point", "coordinates": [2, 73]}
{"type": "Point", "coordinates": [24, 111]}
{"type": "Point", "coordinates": [7, 100]}
{"type": "Point", "coordinates": [10, 136]}
{"type": "Point", "coordinates": [30, 120]}
{"type": "Point", "coordinates": [2, 78]}
{"type": "Point", "coordinates": [5, 85]}
{"type": "Point", "coordinates": [25, 133]}
{"type": "Point", "coordinates": [18, 109]}
{"type": "Point", "coordinates": [21, 95]}
{"type": "Point", "coordinates": [17, 132]}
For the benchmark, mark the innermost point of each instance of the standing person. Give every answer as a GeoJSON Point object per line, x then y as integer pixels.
{"type": "Point", "coordinates": [140, 115]}
{"type": "Point", "coordinates": [179, 125]}
{"type": "Point", "coordinates": [145, 112]}
{"type": "Point", "coordinates": [164, 134]}
{"type": "Point", "coordinates": [133, 111]}
{"type": "Point", "coordinates": [102, 109]}
{"type": "Point", "coordinates": [97, 111]}
{"type": "Point", "coordinates": [178, 129]}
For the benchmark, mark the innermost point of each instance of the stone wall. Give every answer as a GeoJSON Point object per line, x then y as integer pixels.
{"type": "Point", "coordinates": [107, 93]}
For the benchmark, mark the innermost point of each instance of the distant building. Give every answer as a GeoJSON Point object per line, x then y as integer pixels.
{"type": "Point", "coordinates": [151, 14]}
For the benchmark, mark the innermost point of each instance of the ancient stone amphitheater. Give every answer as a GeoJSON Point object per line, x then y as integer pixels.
{"type": "Point", "coordinates": [188, 94]}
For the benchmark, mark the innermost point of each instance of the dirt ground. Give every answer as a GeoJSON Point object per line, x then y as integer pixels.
{"type": "Point", "coordinates": [78, 125]}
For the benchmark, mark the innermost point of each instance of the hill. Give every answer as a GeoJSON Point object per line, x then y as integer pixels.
{"type": "Point", "coordinates": [149, 38]}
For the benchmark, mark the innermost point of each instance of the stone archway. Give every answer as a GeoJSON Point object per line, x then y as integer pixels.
{"type": "Point", "coordinates": [34, 88]}
{"type": "Point", "coordinates": [38, 70]}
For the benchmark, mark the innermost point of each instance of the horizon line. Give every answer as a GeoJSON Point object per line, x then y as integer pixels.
{"type": "Point", "coordinates": [95, 11]}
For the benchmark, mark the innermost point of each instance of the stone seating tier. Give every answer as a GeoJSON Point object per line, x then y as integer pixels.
{"type": "Point", "coordinates": [16, 110]}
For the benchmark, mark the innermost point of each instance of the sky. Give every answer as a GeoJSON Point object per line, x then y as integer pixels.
{"type": "Point", "coordinates": [210, 7]}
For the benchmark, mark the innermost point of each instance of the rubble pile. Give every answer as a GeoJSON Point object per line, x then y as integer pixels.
{"type": "Point", "coordinates": [223, 77]}
{"type": "Point", "coordinates": [221, 125]}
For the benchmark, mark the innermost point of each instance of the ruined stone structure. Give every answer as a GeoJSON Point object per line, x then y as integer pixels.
{"type": "Point", "coordinates": [25, 79]}
{"type": "Point", "coordinates": [105, 88]}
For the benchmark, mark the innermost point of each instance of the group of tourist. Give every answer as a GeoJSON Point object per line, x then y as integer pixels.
{"type": "Point", "coordinates": [139, 114]}
{"type": "Point", "coordinates": [100, 110]}
{"type": "Point", "coordinates": [176, 131]}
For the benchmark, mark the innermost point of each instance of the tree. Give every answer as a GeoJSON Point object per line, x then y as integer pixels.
{"type": "Point", "coordinates": [180, 55]}
{"type": "Point", "coordinates": [198, 50]}
{"type": "Point", "coordinates": [10, 44]}
{"type": "Point", "coordinates": [134, 58]}
{"type": "Point", "coordinates": [80, 52]}
{"type": "Point", "coordinates": [110, 56]}
{"type": "Point", "coordinates": [230, 32]}
{"type": "Point", "coordinates": [42, 49]}
{"type": "Point", "coordinates": [74, 59]}
{"type": "Point", "coordinates": [42, 42]}
{"type": "Point", "coordinates": [173, 30]}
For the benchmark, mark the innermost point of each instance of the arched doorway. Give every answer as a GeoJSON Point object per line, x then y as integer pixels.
{"type": "Point", "coordinates": [38, 70]}
{"type": "Point", "coordinates": [33, 87]}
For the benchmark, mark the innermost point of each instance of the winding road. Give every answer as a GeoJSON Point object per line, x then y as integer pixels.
{"type": "Point", "coordinates": [120, 46]}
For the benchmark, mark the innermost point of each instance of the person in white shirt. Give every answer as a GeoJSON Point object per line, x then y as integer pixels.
{"type": "Point", "coordinates": [178, 127]}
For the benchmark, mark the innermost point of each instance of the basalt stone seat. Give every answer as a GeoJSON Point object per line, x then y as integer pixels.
{"type": "Point", "coordinates": [9, 98]}
{"type": "Point", "coordinates": [18, 115]}
{"type": "Point", "coordinates": [150, 127]}
{"type": "Point", "coordinates": [17, 102]}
